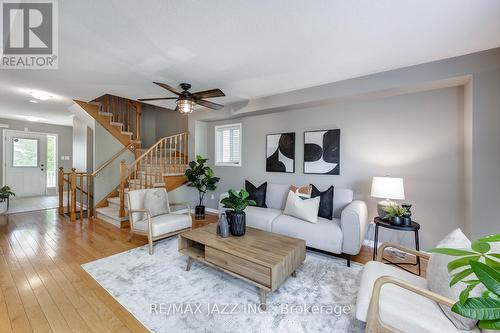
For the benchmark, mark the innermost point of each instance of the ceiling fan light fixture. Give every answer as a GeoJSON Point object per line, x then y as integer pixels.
{"type": "Point", "coordinates": [185, 105]}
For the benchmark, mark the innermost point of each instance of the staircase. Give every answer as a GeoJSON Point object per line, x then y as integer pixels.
{"type": "Point", "coordinates": [119, 116]}
{"type": "Point", "coordinates": [162, 165]}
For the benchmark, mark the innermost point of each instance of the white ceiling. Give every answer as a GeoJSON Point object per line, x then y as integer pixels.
{"type": "Point", "coordinates": [249, 49]}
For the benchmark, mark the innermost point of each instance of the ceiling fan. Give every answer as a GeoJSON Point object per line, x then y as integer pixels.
{"type": "Point", "coordinates": [187, 100]}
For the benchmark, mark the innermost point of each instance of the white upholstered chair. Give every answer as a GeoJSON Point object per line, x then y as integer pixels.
{"type": "Point", "coordinates": [155, 227]}
{"type": "Point", "coordinates": [393, 300]}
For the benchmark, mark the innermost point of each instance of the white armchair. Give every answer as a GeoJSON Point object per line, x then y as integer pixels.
{"type": "Point", "coordinates": [393, 300]}
{"type": "Point", "coordinates": [155, 227]}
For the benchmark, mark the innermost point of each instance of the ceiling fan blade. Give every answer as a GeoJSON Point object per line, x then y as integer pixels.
{"type": "Point", "coordinates": [208, 94]}
{"type": "Point", "coordinates": [210, 105]}
{"type": "Point", "coordinates": [155, 99]}
{"type": "Point", "coordinates": [169, 88]}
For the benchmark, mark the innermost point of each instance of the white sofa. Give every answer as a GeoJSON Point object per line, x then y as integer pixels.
{"type": "Point", "coordinates": [343, 234]}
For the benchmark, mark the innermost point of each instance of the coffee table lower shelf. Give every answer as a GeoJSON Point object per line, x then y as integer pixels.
{"type": "Point", "coordinates": [194, 254]}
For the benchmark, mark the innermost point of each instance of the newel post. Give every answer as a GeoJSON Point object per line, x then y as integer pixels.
{"type": "Point", "coordinates": [72, 183]}
{"type": "Point", "coordinates": [60, 185]}
{"type": "Point", "coordinates": [123, 176]}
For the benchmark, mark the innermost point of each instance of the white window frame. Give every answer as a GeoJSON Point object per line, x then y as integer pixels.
{"type": "Point", "coordinates": [216, 145]}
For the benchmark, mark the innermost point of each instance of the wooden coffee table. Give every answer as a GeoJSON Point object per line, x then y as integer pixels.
{"type": "Point", "coordinates": [261, 258]}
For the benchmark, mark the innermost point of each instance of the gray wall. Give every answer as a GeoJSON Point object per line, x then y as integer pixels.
{"type": "Point", "coordinates": [485, 153]}
{"type": "Point", "coordinates": [106, 145]}
{"type": "Point", "coordinates": [416, 136]}
{"type": "Point", "coordinates": [79, 145]}
{"type": "Point", "coordinates": [65, 138]}
{"type": "Point", "coordinates": [157, 123]}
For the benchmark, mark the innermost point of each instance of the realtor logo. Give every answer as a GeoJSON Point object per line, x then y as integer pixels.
{"type": "Point", "coordinates": [29, 34]}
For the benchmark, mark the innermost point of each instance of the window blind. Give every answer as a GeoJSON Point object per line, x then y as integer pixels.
{"type": "Point", "coordinates": [228, 144]}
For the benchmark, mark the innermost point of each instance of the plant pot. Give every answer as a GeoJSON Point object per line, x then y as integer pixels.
{"type": "Point", "coordinates": [229, 214]}
{"type": "Point", "coordinates": [406, 221]}
{"type": "Point", "coordinates": [238, 223]}
{"type": "Point", "coordinates": [199, 212]}
{"type": "Point", "coordinates": [396, 220]}
{"type": "Point", "coordinates": [3, 206]}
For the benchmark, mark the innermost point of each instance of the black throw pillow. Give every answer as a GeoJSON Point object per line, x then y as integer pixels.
{"type": "Point", "coordinates": [325, 201]}
{"type": "Point", "coordinates": [257, 193]}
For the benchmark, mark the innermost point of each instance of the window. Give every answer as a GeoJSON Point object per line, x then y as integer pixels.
{"type": "Point", "coordinates": [51, 160]}
{"type": "Point", "coordinates": [25, 153]}
{"type": "Point", "coordinates": [228, 145]}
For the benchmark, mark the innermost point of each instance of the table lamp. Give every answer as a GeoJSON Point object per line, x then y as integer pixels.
{"type": "Point", "coordinates": [387, 188]}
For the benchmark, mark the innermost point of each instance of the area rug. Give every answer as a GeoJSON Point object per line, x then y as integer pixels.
{"type": "Point", "coordinates": [164, 297]}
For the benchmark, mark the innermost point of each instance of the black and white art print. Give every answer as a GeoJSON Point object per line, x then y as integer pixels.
{"type": "Point", "coordinates": [322, 152]}
{"type": "Point", "coordinates": [280, 152]}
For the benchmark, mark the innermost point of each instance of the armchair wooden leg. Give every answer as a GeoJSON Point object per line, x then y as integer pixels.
{"type": "Point", "coordinates": [150, 240]}
{"type": "Point", "coordinates": [130, 236]}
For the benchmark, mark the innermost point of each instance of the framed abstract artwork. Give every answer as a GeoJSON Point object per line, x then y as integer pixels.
{"type": "Point", "coordinates": [280, 152]}
{"type": "Point", "coordinates": [322, 152]}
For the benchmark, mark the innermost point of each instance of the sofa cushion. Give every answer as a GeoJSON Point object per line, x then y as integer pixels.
{"type": "Point", "coordinates": [156, 201]}
{"type": "Point", "coordinates": [136, 200]}
{"type": "Point", "coordinates": [325, 203]}
{"type": "Point", "coordinates": [163, 224]}
{"type": "Point", "coordinates": [324, 235]}
{"type": "Point", "coordinates": [401, 308]}
{"type": "Point", "coordinates": [276, 195]}
{"type": "Point", "coordinates": [305, 209]}
{"type": "Point", "coordinates": [438, 278]}
{"type": "Point", "coordinates": [258, 194]}
{"type": "Point", "coordinates": [304, 192]}
{"type": "Point", "coordinates": [261, 218]}
{"type": "Point", "coordinates": [341, 198]}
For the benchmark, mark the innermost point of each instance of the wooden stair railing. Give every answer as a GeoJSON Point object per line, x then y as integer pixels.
{"type": "Point", "coordinates": [76, 186]}
{"type": "Point", "coordinates": [124, 112]}
{"type": "Point", "coordinates": [167, 156]}
{"type": "Point", "coordinates": [121, 117]}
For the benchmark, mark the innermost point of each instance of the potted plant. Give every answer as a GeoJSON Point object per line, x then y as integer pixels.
{"type": "Point", "coordinates": [237, 201]}
{"type": "Point", "coordinates": [395, 214]}
{"type": "Point", "coordinates": [486, 266]}
{"type": "Point", "coordinates": [201, 176]}
{"type": "Point", "coordinates": [5, 193]}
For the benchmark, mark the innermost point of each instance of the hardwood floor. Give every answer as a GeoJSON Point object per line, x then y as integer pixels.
{"type": "Point", "coordinates": [44, 289]}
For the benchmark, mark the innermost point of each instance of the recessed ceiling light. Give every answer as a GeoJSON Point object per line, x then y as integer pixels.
{"type": "Point", "coordinates": [40, 95]}
{"type": "Point", "coordinates": [34, 101]}
{"type": "Point", "coordinates": [33, 119]}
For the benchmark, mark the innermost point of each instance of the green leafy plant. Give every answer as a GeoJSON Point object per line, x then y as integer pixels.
{"type": "Point", "coordinates": [201, 176]}
{"type": "Point", "coordinates": [395, 211]}
{"type": "Point", "coordinates": [486, 267]}
{"type": "Point", "coordinates": [6, 190]}
{"type": "Point", "coordinates": [237, 200]}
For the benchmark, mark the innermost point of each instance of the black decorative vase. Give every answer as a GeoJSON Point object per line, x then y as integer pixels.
{"type": "Point", "coordinates": [238, 223]}
{"type": "Point", "coordinates": [396, 220]}
{"type": "Point", "coordinates": [229, 214]}
{"type": "Point", "coordinates": [199, 212]}
{"type": "Point", "coordinates": [406, 221]}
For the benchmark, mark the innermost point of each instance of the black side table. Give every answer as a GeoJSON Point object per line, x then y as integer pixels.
{"type": "Point", "coordinates": [386, 224]}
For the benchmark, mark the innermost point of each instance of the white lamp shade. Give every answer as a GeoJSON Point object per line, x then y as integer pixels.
{"type": "Point", "coordinates": [388, 188]}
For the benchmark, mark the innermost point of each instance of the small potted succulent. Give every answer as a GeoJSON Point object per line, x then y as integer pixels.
{"type": "Point", "coordinates": [5, 194]}
{"type": "Point", "coordinates": [201, 176]}
{"type": "Point", "coordinates": [236, 203]}
{"type": "Point", "coordinates": [395, 214]}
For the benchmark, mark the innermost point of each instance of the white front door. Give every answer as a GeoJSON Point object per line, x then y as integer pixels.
{"type": "Point", "coordinates": [26, 163]}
